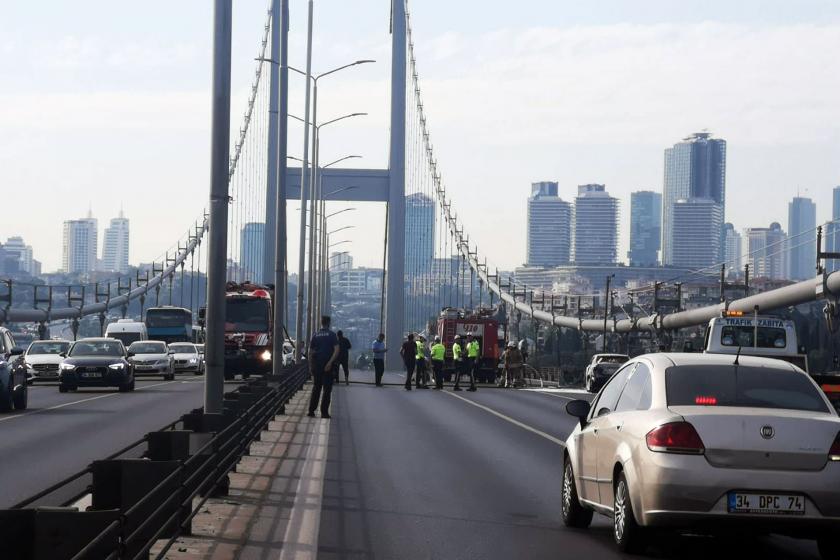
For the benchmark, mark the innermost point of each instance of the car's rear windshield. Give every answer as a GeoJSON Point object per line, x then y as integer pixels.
{"type": "Point", "coordinates": [147, 348]}
{"type": "Point", "coordinates": [748, 386]}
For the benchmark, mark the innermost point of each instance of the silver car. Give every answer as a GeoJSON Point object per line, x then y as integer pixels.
{"type": "Point", "coordinates": [43, 357]}
{"type": "Point", "coordinates": [151, 357]}
{"type": "Point", "coordinates": [701, 442]}
{"type": "Point", "coordinates": [186, 357]}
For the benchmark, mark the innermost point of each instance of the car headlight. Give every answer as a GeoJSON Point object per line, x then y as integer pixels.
{"type": "Point", "coordinates": [266, 355]}
{"type": "Point", "coordinates": [116, 366]}
{"type": "Point", "coordinates": [67, 367]}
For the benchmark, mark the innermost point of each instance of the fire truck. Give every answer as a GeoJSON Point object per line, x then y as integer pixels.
{"type": "Point", "coordinates": [484, 326]}
{"type": "Point", "coordinates": [248, 323]}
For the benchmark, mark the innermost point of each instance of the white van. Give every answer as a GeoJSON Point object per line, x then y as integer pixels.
{"type": "Point", "coordinates": [749, 335]}
{"type": "Point", "coordinates": [127, 331]}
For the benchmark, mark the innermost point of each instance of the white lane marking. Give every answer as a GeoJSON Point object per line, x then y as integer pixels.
{"type": "Point", "coordinates": [62, 405]}
{"type": "Point", "coordinates": [551, 394]}
{"type": "Point", "coordinates": [513, 421]}
{"type": "Point", "coordinates": [300, 541]}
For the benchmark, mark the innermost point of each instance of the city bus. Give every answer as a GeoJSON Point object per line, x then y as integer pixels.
{"type": "Point", "coordinates": [169, 324]}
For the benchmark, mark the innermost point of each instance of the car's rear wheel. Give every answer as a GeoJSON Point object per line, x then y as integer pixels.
{"type": "Point", "coordinates": [21, 398]}
{"type": "Point", "coordinates": [829, 547]}
{"type": "Point", "coordinates": [628, 535]}
{"type": "Point", "coordinates": [574, 514]}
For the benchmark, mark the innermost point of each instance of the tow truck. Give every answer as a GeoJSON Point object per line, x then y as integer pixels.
{"type": "Point", "coordinates": [484, 326]}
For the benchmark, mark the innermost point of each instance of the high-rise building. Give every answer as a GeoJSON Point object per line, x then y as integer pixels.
{"type": "Point", "coordinates": [340, 261]}
{"type": "Point", "coordinates": [732, 250]}
{"type": "Point", "coordinates": [595, 229]}
{"type": "Point", "coordinates": [79, 245]}
{"type": "Point", "coordinates": [419, 232]}
{"type": "Point", "coordinates": [802, 229]}
{"type": "Point", "coordinates": [549, 226]}
{"type": "Point", "coordinates": [832, 231]}
{"type": "Point", "coordinates": [115, 245]}
{"type": "Point", "coordinates": [252, 247]}
{"type": "Point", "coordinates": [17, 250]}
{"type": "Point", "coordinates": [645, 228]}
{"type": "Point", "coordinates": [695, 231]}
{"type": "Point", "coordinates": [694, 168]}
{"type": "Point", "coordinates": [765, 250]}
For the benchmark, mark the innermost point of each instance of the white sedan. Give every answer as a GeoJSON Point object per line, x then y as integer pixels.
{"type": "Point", "coordinates": [186, 357]}
{"type": "Point", "coordinates": [699, 442]}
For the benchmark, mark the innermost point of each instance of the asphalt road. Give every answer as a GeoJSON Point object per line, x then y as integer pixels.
{"type": "Point", "coordinates": [426, 475]}
{"type": "Point", "coordinates": [61, 433]}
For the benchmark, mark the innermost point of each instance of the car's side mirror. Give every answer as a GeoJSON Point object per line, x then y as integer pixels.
{"type": "Point", "coordinates": [16, 351]}
{"type": "Point", "coordinates": [579, 409]}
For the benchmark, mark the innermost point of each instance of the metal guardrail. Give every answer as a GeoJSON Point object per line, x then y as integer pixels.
{"type": "Point", "coordinates": [146, 498]}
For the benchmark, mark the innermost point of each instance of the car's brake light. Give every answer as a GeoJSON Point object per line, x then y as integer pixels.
{"type": "Point", "coordinates": [834, 452]}
{"type": "Point", "coordinates": [260, 293]}
{"type": "Point", "coordinates": [705, 400]}
{"type": "Point", "coordinates": [675, 437]}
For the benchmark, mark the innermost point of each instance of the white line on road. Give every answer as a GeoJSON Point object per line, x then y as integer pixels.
{"type": "Point", "coordinates": [540, 433]}
{"type": "Point", "coordinates": [551, 393]}
{"type": "Point", "coordinates": [77, 402]}
{"type": "Point", "coordinates": [301, 539]}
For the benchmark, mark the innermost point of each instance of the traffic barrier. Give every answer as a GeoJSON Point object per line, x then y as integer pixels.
{"type": "Point", "coordinates": [151, 490]}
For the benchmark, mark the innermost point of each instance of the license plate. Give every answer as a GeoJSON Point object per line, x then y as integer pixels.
{"type": "Point", "coordinates": [89, 374]}
{"type": "Point", "coordinates": [769, 504]}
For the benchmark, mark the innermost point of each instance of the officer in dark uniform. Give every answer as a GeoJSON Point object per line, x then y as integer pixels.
{"type": "Point", "coordinates": [322, 356]}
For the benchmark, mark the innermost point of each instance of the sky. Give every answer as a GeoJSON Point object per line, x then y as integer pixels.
{"type": "Point", "coordinates": [104, 104]}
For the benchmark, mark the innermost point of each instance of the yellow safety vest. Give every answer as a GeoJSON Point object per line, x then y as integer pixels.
{"type": "Point", "coordinates": [438, 352]}
{"type": "Point", "coordinates": [456, 351]}
{"type": "Point", "coordinates": [473, 349]}
{"type": "Point", "coordinates": [420, 355]}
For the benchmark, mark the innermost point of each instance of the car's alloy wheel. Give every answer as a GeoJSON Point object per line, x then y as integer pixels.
{"type": "Point", "coordinates": [574, 515]}
{"type": "Point", "coordinates": [627, 534]}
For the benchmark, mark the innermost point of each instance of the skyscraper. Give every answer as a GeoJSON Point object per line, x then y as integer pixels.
{"type": "Point", "coordinates": [79, 245]}
{"type": "Point", "coordinates": [696, 225]}
{"type": "Point", "coordinates": [549, 226]}
{"type": "Point", "coordinates": [252, 247]}
{"type": "Point", "coordinates": [595, 230]}
{"type": "Point", "coordinates": [645, 228]}
{"type": "Point", "coordinates": [832, 231]}
{"type": "Point", "coordinates": [732, 250]}
{"type": "Point", "coordinates": [340, 261]}
{"type": "Point", "coordinates": [766, 252]}
{"type": "Point", "coordinates": [694, 168]}
{"type": "Point", "coordinates": [21, 252]}
{"type": "Point", "coordinates": [802, 229]}
{"type": "Point", "coordinates": [115, 245]}
{"type": "Point", "coordinates": [419, 232]}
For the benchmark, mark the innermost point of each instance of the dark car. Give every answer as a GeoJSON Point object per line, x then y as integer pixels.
{"type": "Point", "coordinates": [13, 390]}
{"type": "Point", "coordinates": [96, 362]}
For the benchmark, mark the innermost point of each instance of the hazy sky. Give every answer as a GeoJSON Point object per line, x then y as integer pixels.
{"type": "Point", "coordinates": [105, 103]}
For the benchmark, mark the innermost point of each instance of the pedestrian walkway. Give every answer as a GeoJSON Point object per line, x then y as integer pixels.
{"type": "Point", "coordinates": [273, 509]}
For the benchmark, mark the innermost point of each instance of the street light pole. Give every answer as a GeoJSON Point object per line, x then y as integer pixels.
{"type": "Point", "coordinates": [219, 199]}
{"type": "Point", "coordinates": [302, 245]}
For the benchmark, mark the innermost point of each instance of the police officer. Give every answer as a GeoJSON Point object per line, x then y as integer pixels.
{"type": "Point", "coordinates": [420, 364]}
{"type": "Point", "coordinates": [438, 356]}
{"type": "Point", "coordinates": [472, 351]}
{"type": "Point", "coordinates": [458, 361]}
{"type": "Point", "coordinates": [322, 356]}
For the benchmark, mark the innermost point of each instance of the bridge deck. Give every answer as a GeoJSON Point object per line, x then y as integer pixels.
{"type": "Point", "coordinates": [422, 474]}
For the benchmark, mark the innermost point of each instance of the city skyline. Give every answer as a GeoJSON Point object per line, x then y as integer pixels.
{"type": "Point", "coordinates": [777, 145]}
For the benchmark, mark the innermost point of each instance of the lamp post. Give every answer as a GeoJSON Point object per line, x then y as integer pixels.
{"type": "Point", "coordinates": [312, 183]}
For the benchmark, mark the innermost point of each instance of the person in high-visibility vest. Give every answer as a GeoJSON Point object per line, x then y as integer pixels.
{"type": "Point", "coordinates": [464, 367]}
{"type": "Point", "coordinates": [472, 352]}
{"type": "Point", "coordinates": [438, 357]}
{"type": "Point", "coordinates": [474, 357]}
{"type": "Point", "coordinates": [422, 373]}
{"type": "Point", "coordinates": [457, 361]}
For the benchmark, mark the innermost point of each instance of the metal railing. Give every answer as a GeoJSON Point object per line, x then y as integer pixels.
{"type": "Point", "coordinates": [182, 466]}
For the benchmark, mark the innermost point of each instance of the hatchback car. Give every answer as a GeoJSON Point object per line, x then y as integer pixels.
{"type": "Point", "coordinates": [701, 442]}
{"type": "Point", "coordinates": [96, 362]}
{"type": "Point", "coordinates": [43, 357]}
{"type": "Point", "coordinates": [151, 357]}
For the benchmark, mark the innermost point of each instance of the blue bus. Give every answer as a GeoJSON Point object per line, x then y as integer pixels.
{"type": "Point", "coordinates": [169, 324]}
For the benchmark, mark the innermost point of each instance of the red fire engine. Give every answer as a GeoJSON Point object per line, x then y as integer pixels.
{"type": "Point", "coordinates": [484, 326]}
{"type": "Point", "coordinates": [248, 326]}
